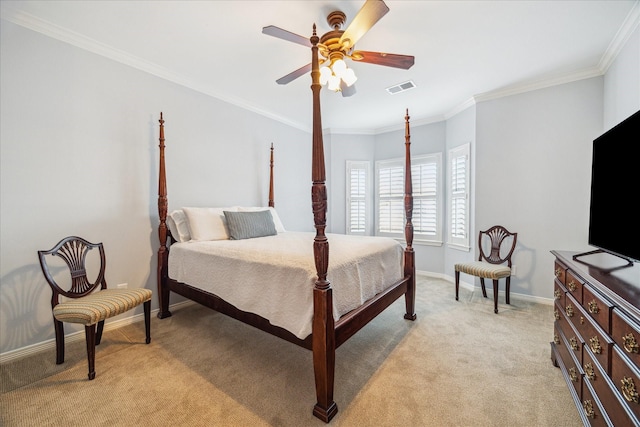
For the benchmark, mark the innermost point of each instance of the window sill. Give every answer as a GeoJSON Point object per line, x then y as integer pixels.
{"type": "Point", "coordinates": [459, 247]}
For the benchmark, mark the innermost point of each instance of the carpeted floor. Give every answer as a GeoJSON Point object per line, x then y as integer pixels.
{"type": "Point", "coordinates": [458, 364]}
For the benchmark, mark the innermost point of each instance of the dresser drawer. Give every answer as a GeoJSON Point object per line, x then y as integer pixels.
{"type": "Point", "coordinates": [574, 286]}
{"type": "Point", "coordinates": [593, 337]}
{"type": "Point", "coordinates": [626, 379]}
{"type": "Point", "coordinates": [573, 338]}
{"type": "Point", "coordinates": [617, 410]}
{"type": "Point", "coordinates": [574, 370]}
{"type": "Point", "coordinates": [560, 271]}
{"type": "Point", "coordinates": [592, 408]}
{"type": "Point", "coordinates": [598, 308]}
{"type": "Point", "coordinates": [627, 335]}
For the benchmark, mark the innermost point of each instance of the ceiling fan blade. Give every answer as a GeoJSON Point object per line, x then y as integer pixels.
{"type": "Point", "coordinates": [367, 16]}
{"type": "Point", "coordinates": [286, 35]}
{"type": "Point", "coordinates": [387, 59]}
{"type": "Point", "coordinates": [294, 75]}
{"type": "Point", "coordinates": [347, 90]}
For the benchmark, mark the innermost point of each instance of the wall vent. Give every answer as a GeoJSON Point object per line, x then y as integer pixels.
{"type": "Point", "coordinates": [401, 87]}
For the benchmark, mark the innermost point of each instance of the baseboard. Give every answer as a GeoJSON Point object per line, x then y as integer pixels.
{"type": "Point", "coordinates": [79, 335]}
{"type": "Point", "coordinates": [489, 287]}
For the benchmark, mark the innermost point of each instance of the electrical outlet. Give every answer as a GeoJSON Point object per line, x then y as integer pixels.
{"type": "Point", "coordinates": [513, 270]}
{"type": "Point", "coordinates": [123, 286]}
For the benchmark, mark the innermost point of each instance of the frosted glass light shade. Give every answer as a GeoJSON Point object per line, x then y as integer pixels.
{"type": "Point", "coordinates": [349, 77]}
{"type": "Point", "coordinates": [325, 73]}
{"type": "Point", "coordinates": [339, 67]}
{"type": "Point", "coordinates": [334, 83]}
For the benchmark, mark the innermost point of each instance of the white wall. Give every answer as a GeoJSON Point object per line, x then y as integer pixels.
{"type": "Point", "coordinates": [622, 83]}
{"type": "Point", "coordinates": [533, 173]}
{"type": "Point", "coordinates": [461, 129]}
{"type": "Point", "coordinates": [79, 156]}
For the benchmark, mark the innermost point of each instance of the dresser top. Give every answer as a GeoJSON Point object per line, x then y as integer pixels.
{"type": "Point", "coordinates": [621, 285]}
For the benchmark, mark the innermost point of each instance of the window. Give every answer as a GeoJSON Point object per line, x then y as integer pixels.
{"type": "Point", "coordinates": [358, 178]}
{"type": "Point", "coordinates": [459, 197]}
{"type": "Point", "coordinates": [426, 178]}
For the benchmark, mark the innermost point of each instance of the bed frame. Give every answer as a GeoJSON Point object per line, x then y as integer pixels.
{"type": "Point", "coordinates": [327, 334]}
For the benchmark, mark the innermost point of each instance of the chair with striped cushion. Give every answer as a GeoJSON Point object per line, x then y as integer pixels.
{"type": "Point", "coordinates": [85, 302]}
{"type": "Point", "coordinates": [495, 247]}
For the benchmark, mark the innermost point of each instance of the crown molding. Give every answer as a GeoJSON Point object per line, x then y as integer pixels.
{"type": "Point", "coordinates": [627, 28]}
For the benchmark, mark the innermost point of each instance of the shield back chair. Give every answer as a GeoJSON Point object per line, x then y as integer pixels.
{"type": "Point", "coordinates": [495, 247]}
{"type": "Point", "coordinates": [85, 302]}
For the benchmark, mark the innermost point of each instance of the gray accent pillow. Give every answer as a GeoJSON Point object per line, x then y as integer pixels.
{"type": "Point", "coordinates": [246, 225]}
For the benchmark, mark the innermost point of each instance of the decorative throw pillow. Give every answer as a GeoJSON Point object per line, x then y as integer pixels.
{"type": "Point", "coordinates": [276, 219]}
{"type": "Point", "coordinates": [246, 225]}
{"type": "Point", "coordinates": [207, 223]}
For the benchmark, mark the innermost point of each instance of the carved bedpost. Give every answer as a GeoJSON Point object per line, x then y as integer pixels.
{"type": "Point", "coordinates": [271, 199]}
{"type": "Point", "coordinates": [163, 253]}
{"type": "Point", "coordinates": [324, 345]}
{"type": "Point", "coordinates": [409, 255]}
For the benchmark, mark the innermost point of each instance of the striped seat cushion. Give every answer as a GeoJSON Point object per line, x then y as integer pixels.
{"type": "Point", "coordinates": [484, 269]}
{"type": "Point", "coordinates": [100, 305]}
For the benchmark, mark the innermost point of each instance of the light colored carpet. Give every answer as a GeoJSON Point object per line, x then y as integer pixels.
{"type": "Point", "coordinates": [458, 364]}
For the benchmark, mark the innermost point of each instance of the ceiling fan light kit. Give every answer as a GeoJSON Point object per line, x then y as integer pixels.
{"type": "Point", "coordinates": [336, 71]}
{"type": "Point", "coordinates": [337, 45]}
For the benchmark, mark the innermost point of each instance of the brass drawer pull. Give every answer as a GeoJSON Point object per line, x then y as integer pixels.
{"type": "Point", "coordinates": [582, 320]}
{"type": "Point", "coordinates": [588, 409]}
{"type": "Point", "coordinates": [556, 339]}
{"type": "Point", "coordinates": [558, 272]}
{"type": "Point", "coordinates": [594, 343]}
{"type": "Point", "coordinates": [593, 307]}
{"type": "Point", "coordinates": [588, 369]}
{"type": "Point", "coordinates": [569, 310]}
{"type": "Point", "coordinates": [556, 314]}
{"type": "Point", "coordinates": [629, 390]}
{"type": "Point", "coordinates": [629, 343]}
{"type": "Point", "coordinates": [573, 374]}
{"type": "Point", "coordinates": [557, 294]}
{"type": "Point", "coordinates": [572, 286]}
{"type": "Point", "coordinates": [573, 342]}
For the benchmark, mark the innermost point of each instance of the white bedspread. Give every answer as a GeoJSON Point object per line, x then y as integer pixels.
{"type": "Point", "coordinates": [274, 276]}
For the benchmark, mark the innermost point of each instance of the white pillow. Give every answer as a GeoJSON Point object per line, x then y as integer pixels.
{"type": "Point", "coordinates": [207, 223]}
{"type": "Point", "coordinates": [178, 226]}
{"type": "Point", "coordinates": [274, 214]}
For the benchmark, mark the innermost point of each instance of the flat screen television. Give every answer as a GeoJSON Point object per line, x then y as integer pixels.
{"type": "Point", "coordinates": [614, 215]}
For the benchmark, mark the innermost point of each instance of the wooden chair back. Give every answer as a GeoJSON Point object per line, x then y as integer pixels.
{"type": "Point", "coordinates": [496, 245]}
{"type": "Point", "coordinates": [73, 250]}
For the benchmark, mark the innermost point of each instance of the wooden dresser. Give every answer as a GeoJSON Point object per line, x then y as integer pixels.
{"type": "Point", "coordinates": [596, 336]}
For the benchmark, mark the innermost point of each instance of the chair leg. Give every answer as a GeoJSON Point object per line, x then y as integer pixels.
{"type": "Point", "coordinates": [99, 332]}
{"type": "Point", "coordinates": [457, 283]}
{"type": "Point", "coordinates": [508, 289]}
{"type": "Point", "coordinates": [147, 319]}
{"type": "Point", "coordinates": [484, 290]}
{"type": "Point", "coordinates": [90, 332]}
{"type": "Point", "coordinates": [59, 330]}
{"type": "Point", "coordinates": [495, 295]}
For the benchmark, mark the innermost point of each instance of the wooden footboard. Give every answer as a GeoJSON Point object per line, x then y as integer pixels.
{"type": "Point", "coordinates": [327, 335]}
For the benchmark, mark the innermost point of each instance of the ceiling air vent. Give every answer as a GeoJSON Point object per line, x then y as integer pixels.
{"type": "Point", "coordinates": [401, 87]}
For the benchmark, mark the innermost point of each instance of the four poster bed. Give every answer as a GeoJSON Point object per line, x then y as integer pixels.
{"type": "Point", "coordinates": [369, 273]}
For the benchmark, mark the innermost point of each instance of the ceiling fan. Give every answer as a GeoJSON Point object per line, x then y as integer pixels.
{"type": "Point", "coordinates": [338, 44]}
